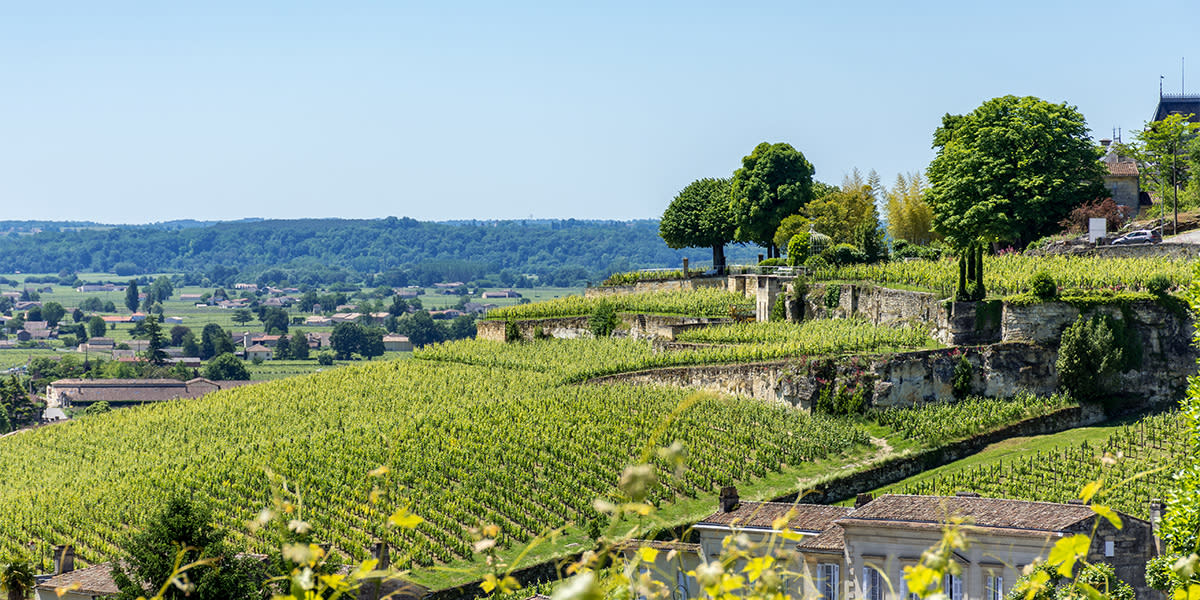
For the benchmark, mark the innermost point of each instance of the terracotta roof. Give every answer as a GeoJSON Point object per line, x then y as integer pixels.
{"type": "Point", "coordinates": [1123, 169]}
{"type": "Point", "coordinates": [664, 545]}
{"type": "Point", "coordinates": [830, 540]}
{"type": "Point", "coordinates": [96, 580]}
{"type": "Point", "coordinates": [807, 517]}
{"type": "Point", "coordinates": [137, 390]}
{"type": "Point", "coordinates": [258, 348]}
{"type": "Point", "coordinates": [1000, 513]}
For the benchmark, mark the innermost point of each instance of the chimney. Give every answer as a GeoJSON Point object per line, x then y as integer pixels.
{"type": "Point", "coordinates": [64, 559]}
{"type": "Point", "coordinates": [1105, 142]}
{"type": "Point", "coordinates": [966, 494]}
{"type": "Point", "coordinates": [1076, 501]}
{"type": "Point", "coordinates": [729, 499]}
{"type": "Point", "coordinates": [863, 498]}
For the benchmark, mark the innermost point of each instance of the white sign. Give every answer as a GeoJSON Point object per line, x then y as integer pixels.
{"type": "Point", "coordinates": [1097, 228]}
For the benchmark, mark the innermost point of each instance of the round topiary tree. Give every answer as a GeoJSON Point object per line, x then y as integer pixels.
{"type": "Point", "coordinates": [1042, 286]}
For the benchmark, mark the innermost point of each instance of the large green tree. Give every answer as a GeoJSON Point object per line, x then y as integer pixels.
{"type": "Point", "coordinates": [131, 296]}
{"type": "Point", "coordinates": [226, 367]}
{"type": "Point", "coordinates": [1011, 170]}
{"type": "Point", "coordinates": [699, 217]}
{"type": "Point", "coordinates": [185, 526]}
{"type": "Point", "coordinates": [775, 181]}
{"type": "Point", "coordinates": [155, 341]}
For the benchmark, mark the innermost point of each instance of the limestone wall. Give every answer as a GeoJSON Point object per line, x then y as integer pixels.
{"type": "Point", "coordinates": [666, 285]}
{"type": "Point", "coordinates": [632, 325]}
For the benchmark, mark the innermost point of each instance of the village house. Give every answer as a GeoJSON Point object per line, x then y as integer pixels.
{"type": "Point", "coordinates": [259, 352]}
{"type": "Point", "coordinates": [346, 317]}
{"type": "Point", "coordinates": [26, 304]}
{"type": "Point", "coordinates": [398, 343]}
{"type": "Point", "coordinates": [190, 297]}
{"type": "Point", "coordinates": [1122, 180]}
{"type": "Point", "coordinates": [248, 287]}
{"type": "Point", "coordinates": [318, 321]}
{"type": "Point", "coordinates": [318, 339]}
{"type": "Point", "coordinates": [477, 308]}
{"type": "Point", "coordinates": [118, 392]}
{"type": "Point", "coordinates": [88, 288]}
{"type": "Point", "coordinates": [449, 313]}
{"type": "Point", "coordinates": [501, 294]}
{"type": "Point", "coordinates": [859, 553]}
{"type": "Point", "coordinates": [379, 318]}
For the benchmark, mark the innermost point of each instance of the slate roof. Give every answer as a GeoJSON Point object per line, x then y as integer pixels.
{"type": "Point", "coordinates": [807, 517]}
{"type": "Point", "coordinates": [96, 580]}
{"type": "Point", "coordinates": [1185, 104]}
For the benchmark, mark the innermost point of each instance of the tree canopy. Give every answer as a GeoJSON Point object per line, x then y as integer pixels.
{"type": "Point", "coordinates": [775, 181]}
{"type": "Point", "coordinates": [909, 216]}
{"type": "Point", "coordinates": [700, 217]}
{"type": "Point", "coordinates": [226, 367]}
{"type": "Point", "coordinates": [1011, 170]}
{"type": "Point", "coordinates": [843, 211]}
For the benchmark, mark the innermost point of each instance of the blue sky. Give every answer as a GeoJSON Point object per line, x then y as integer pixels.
{"type": "Point", "coordinates": [139, 112]}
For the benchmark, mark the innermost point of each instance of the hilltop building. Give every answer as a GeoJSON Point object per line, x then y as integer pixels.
{"type": "Point", "coordinates": [1184, 104]}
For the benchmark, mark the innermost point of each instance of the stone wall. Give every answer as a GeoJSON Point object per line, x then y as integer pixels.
{"type": "Point", "coordinates": [665, 285]}
{"type": "Point", "coordinates": [632, 325]}
{"type": "Point", "coordinates": [909, 378]}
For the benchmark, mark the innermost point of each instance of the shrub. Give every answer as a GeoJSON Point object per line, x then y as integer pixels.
{"type": "Point", "coordinates": [779, 309]}
{"type": "Point", "coordinates": [816, 263]}
{"type": "Point", "coordinates": [512, 333]}
{"type": "Point", "coordinates": [1158, 284]}
{"type": "Point", "coordinates": [1114, 214]}
{"type": "Point", "coordinates": [798, 249]}
{"type": "Point", "coordinates": [772, 262]}
{"type": "Point", "coordinates": [833, 296]}
{"type": "Point", "coordinates": [1042, 286]}
{"type": "Point", "coordinates": [961, 380]}
{"type": "Point", "coordinates": [1088, 357]}
{"type": "Point", "coordinates": [604, 321]}
{"type": "Point", "coordinates": [844, 254]}
{"type": "Point", "coordinates": [325, 358]}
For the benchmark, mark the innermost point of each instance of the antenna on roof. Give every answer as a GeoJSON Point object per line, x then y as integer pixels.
{"type": "Point", "coordinates": [1160, 80]}
{"type": "Point", "coordinates": [1182, 88]}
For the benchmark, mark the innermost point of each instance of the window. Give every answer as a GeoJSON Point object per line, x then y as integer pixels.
{"type": "Point", "coordinates": [681, 584]}
{"type": "Point", "coordinates": [995, 588]}
{"type": "Point", "coordinates": [952, 586]}
{"type": "Point", "coordinates": [904, 593]}
{"type": "Point", "coordinates": [872, 584]}
{"type": "Point", "coordinates": [827, 581]}
{"type": "Point", "coordinates": [1110, 548]}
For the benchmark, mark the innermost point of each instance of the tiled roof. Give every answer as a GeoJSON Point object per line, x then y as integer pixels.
{"type": "Point", "coordinates": [96, 580]}
{"type": "Point", "coordinates": [1001, 513]}
{"type": "Point", "coordinates": [1123, 169]}
{"type": "Point", "coordinates": [830, 540]}
{"type": "Point", "coordinates": [806, 517]}
{"type": "Point", "coordinates": [664, 545]}
{"type": "Point", "coordinates": [136, 390]}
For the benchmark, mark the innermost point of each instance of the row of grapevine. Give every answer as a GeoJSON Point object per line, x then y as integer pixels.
{"type": "Point", "coordinates": [938, 423]}
{"type": "Point", "coordinates": [468, 445]}
{"type": "Point", "coordinates": [1011, 273]}
{"type": "Point", "coordinates": [1137, 463]}
{"type": "Point", "coordinates": [703, 302]}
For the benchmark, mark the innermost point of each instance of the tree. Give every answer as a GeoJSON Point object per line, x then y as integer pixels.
{"type": "Point", "coordinates": [274, 319]}
{"type": "Point", "coordinates": [214, 341]}
{"type": "Point", "coordinates": [1162, 152]}
{"type": "Point", "coordinates": [840, 213]}
{"type": "Point", "coordinates": [909, 216]}
{"type": "Point", "coordinates": [52, 313]}
{"type": "Point", "coordinates": [131, 296]}
{"type": "Point", "coordinates": [241, 316]}
{"type": "Point", "coordinates": [160, 290]}
{"type": "Point", "coordinates": [351, 338]}
{"type": "Point", "coordinates": [96, 327]}
{"type": "Point", "coordinates": [184, 526]}
{"type": "Point", "coordinates": [189, 346]}
{"type": "Point", "coordinates": [77, 315]}
{"type": "Point", "coordinates": [226, 367]}
{"type": "Point", "coordinates": [155, 342]}
{"type": "Point", "coordinates": [177, 333]}
{"type": "Point", "coordinates": [791, 227]}
{"type": "Point", "coordinates": [1088, 358]}
{"type": "Point", "coordinates": [421, 329]}
{"type": "Point", "coordinates": [17, 577]}
{"type": "Point", "coordinates": [1011, 170]}
{"type": "Point", "coordinates": [699, 217]}
{"type": "Point", "coordinates": [775, 181]}
{"type": "Point", "coordinates": [283, 349]}
{"type": "Point", "coordinates": [298, 345]}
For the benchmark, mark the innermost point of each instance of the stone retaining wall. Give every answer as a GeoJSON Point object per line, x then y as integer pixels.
{"type": "Point", "coordinates": [632, 325]}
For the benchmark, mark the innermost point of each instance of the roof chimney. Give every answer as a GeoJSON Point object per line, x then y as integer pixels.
{"type": "Point", "coordinates": [64, 559]}
{"type": "Point", "coordinates": [863, 498]}
{"type": "Point", "coordinates": [1105, 142]}
{"type": "Point", "coordinates": [967, 494]}
{"type": "Point", "coordinates": [728, 499]}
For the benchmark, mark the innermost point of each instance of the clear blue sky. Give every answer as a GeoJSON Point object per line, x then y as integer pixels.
{"type": "Point", "coordinates": [137, 112]}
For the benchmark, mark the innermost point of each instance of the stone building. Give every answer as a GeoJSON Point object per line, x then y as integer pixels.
{"type": "Point", "coordinates": [859, 553]}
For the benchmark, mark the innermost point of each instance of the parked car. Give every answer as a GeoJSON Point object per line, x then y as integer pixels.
{"type": "Point", "coordinates": [1141, 236]}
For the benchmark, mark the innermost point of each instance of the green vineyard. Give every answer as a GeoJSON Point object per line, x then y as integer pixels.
{"type": "Point", "coordinates": [1136, 463]}
{"type": "Point", "coordinates": [703, 302]}
{"type": "Point", "coordinates": [1010, 274]}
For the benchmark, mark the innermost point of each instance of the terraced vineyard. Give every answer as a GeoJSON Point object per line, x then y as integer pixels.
{"type": "Point", "coordinates": [1010, 274]}
{"type": "Point", "coordinates": [576, 360]}
{"type": "Point", "coordinates": [1141, 460]}
{"type": "Point", "coordinates": [470, 445]}
{"type": "Point", "coordinates": [704, 302]}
